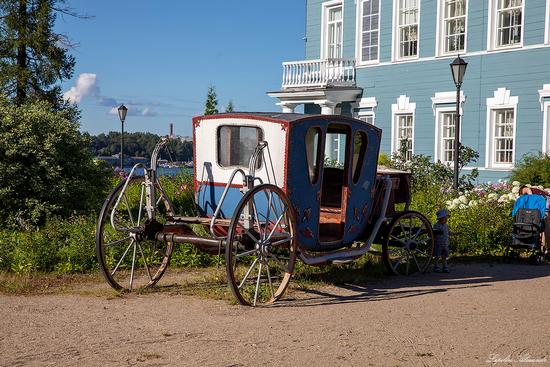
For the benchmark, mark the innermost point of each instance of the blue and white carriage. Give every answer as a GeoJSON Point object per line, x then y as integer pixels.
{"type": "Point", "coordinates": [269, 189]}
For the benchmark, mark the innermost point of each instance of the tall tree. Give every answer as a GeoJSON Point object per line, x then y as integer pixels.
{"type": "Point", "coordinates": [211, 105]}
{"type": "Point", "coordinates": [229, 107]}
{"type": "Point", "coordinates": [33, 58]}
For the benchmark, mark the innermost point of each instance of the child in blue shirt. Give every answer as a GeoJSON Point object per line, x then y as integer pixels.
{"type": "Point", "coordinates": [441, 233]}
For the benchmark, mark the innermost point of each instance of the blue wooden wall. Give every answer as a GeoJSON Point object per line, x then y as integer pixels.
{"type": "Point", "coordinates": [522, 71]}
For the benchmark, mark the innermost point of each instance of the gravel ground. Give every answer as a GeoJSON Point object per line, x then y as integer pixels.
{"type": "Point", "coordinates": [479, 315]}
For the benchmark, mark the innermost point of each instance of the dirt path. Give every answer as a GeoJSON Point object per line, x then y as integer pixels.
{"type": "Point", "coordinates": [478, 313]}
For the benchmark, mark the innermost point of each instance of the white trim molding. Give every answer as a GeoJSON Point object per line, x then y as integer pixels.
{"type": "Point", "coordinates": [492, 25]}
{"type": "Point", "coordinates": [366, 106]}
{"type": "Point", "coordinates": [395, 33]}
{"type": "Point", "coordinates": [502, 100]}
{"type": "Point", "coordinates": [547, 23]}
{"type": "Point", "coordinates": [324, 14]}
{"type": "Point", "coordinates": [359, 33]}
{"type": "Point", "coordinates": [403, 107]}
{"type": "Point", "coordinates": [544, 97]}
{"type": "Point", "coordinates": [447, 98]}
{"type": "Point", "coordinates": [440, 29]}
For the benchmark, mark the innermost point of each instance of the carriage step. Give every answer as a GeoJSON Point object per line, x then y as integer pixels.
{"type": "Point", "coordinates": [342, 261]}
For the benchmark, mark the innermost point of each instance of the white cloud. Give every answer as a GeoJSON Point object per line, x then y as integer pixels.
{"type": "Point", "coordinates": [86, 85]}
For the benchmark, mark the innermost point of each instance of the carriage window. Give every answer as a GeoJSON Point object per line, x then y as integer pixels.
{"type": "Point", "coordinates": [313, 153]}
{"type": "Point", "coordinates": [359, 149]}
{"type": "Point", "coordinates": [236, 145]}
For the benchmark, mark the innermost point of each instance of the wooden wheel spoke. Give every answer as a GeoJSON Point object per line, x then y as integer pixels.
{"type": "Point", "coordinates": [145, 262]}
{"type": "Point", "coordinates": [248, 272]}
{"type": "Point", "coordinates": [269, 279]}
{"type": "Point", "coordinates": [122, 258]}
{"type": "Point", "coordinates": [117, 242]}
{"type": "Point", "coordinates": [258, 283]}
{"type": "Point", "coordinates": [246, 253]}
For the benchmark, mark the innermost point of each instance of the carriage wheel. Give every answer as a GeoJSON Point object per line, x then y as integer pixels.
{"type": "Point", "coordinates": [261, 246]}
{"type": "Point", "coordinates": [408, 244]}
{"type": "Point", "coordinates": [127, 259]}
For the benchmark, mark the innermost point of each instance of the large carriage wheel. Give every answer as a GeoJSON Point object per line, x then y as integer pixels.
{"type": "Point", "coordinates": [408, 244]}
{"type": "Point", "coordinates": [261, 246]}
{"type": "Point", "coordinates": [127, 258]}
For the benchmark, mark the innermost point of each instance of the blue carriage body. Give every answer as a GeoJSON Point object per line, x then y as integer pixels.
{"type": "Point", "coordinates": [332, 199]}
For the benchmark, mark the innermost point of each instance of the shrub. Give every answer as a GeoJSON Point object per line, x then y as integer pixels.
{"type": "Point", "coordinates": [533, 169]}
{"type": "Point", "coordinates": [45, 166]}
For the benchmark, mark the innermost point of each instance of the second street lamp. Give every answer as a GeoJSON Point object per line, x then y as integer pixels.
{"type": "Point", "coordinates": [122, 111]}
{"type": "Point", "coordinates": [458, 69]}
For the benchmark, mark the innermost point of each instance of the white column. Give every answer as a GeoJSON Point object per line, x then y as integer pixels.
{"type": "Point", "coordinates": [327, 108]}
{"type": "Point", "coordinates": [287, 107]}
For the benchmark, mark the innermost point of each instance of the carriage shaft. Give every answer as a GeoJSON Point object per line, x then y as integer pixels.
{"type": "Point", "coordinates": [195, 240]}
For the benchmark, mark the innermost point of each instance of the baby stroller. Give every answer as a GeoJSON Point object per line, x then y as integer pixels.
{"type": "Point", "coordinates": [526, 230]}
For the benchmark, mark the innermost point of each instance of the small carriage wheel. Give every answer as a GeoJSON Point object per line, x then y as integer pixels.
{"type": "Point", "coordinates": [127, 259]}
{"type": "Point", "coordinates": [261, 245]}
{"type": "Point", "coordinates": [408, 244]}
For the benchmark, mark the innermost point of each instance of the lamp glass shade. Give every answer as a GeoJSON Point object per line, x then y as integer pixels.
{"type": "Point", "coordinates": [458, 68]}
{"type": "Point", "coordinates": [122, 110]}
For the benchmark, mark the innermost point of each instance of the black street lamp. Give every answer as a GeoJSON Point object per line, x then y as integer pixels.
{"type": "Point", "coordinates": [122, 110]}
{"type": "Point", "coordinates": [458, 68]}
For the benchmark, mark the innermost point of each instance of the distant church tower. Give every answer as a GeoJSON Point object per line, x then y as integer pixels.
{"type": "Point", "coordinates": [171, 129]}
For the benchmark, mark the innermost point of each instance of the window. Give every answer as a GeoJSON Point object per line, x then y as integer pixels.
{"type": "Point", "coordinates": [370, 30]}
{"type": "Point", "coordinates": [335, 149]}
{"type": "Point", "coordinates": [405, 128]}
{"type": "Point", "coordinates": [403, 116]}
{"type": "Point", "coordinates": [453, 26]}
{"type": "Point", "coordinates": [446, 138]}
{"type": "Point", "coordinates": [313, 153]}
{"type": "Point", "coordinates": [368, 117]}
{"type": "Point", "coordinates": [236, 145]}
{"type": "Point", "coordinates": [359, 149]}
{"type": "Point", "coordinates": [333, 31]}
{"type": "Point", "coordinates": [507, 22]}
{"type": "Point", "coordinates": [503, 135]}
{"type": "Point", "coordinates": [501, 129]}
{"type": "Point", "coordinates": [407, 28]}
{"type": "Point", "coordinates": [544, 98]}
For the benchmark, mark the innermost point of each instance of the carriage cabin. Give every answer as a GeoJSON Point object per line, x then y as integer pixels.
{"type": "Point", "coordinates": [332, 200]}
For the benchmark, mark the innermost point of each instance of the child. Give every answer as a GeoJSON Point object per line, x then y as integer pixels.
{"type": "Point", "coordinates": [441, 232]}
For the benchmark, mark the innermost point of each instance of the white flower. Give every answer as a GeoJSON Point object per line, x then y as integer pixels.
{"type": "Point", "coordinates": [528, 185]}
{"type": "Point", "coordinates": [456, 202]}
{"type": "Point", "coordinates": [492, 196]}
{"type": "Point", "coordinates": [462, 206]}
{"type": "Point", "coordinates": [463, 199]}
{"type": "Point", "coordinates": [515, 189]}
{"type": "Point", "coordinates": [452, 206]}
{"type": "Point", "coordinates": [500, 180]}
{"type": "Point", "coordinates": [449, 203]}
{"type": "Point", "coordinates": [516, 183]}
{"type": "Point", "coordinates": [473, 203]}
{"type": "Point", "coordinates": [512, 196]}
{"type": "Point", "coordinates": [503, 198]}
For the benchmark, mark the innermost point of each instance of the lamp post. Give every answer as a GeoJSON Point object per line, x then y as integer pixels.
{"type": "Point", "coordinates": [122, 110]}
{"type": "Point", "coordinates": [458, 69]}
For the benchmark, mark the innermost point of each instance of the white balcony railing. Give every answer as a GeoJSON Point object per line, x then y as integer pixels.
{"type": "Point", "coordinates": [319, 73]}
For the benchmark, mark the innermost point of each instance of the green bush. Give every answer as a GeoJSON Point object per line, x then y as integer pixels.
{"type": "Point", "coordinates": [533, 169]}
{"type": "Point", "coordinates": [45, 166]}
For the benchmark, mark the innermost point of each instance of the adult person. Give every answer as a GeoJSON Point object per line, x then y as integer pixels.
{"type": "Point", "coordinates": [535, 198]}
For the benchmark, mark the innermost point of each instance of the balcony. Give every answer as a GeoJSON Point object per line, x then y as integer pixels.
{"type": "Point", "coordinates": [319, 73]}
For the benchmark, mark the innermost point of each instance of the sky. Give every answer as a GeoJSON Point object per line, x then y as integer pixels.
{"type": "Point", "coordinates": [160, 57]}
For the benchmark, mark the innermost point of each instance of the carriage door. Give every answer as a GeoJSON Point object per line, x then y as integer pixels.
{"type": "Point", "coordinates": [334, 187]}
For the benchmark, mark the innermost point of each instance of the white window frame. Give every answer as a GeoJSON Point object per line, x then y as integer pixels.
{"type": "Point", "coordinates": [326, 6]}
{"type": "Point", "coordinates": [359, 22]}
{"type": "Point", "coordinates": [445, 102]}
{"type": "Point", "coordinates": [501, 101]}
{"type": "Point", "coordinates": [544, 97]}
{"type": "Point", "coordinates": [438, 151]}
{"type": "Point", "coordinates": [440, 31]}
{"type": "Point", "coordinates": [366, 107]}
{"type": "Point", "coordinates": [363, 115]}
{"type": "Point", "coordinates": [547, 23]}
{"type": "Point", "coordinates": [402, 107]}
{"type": "Point", "coordinates": [396, 34]}
{"type": "Point", "coordinates": [492, 32]}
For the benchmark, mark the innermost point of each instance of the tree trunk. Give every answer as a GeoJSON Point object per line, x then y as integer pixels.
{"type": "Point", "coordinates": [21, 93]}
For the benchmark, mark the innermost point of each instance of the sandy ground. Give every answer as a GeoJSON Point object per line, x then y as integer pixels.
{"type": "Point", "coordinates": [479, 315]}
